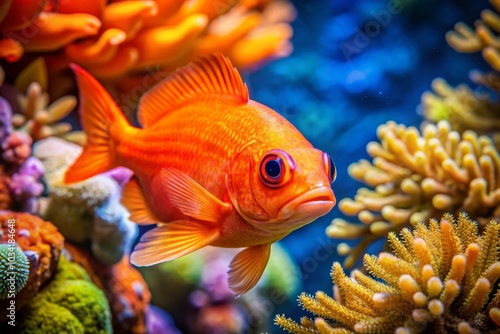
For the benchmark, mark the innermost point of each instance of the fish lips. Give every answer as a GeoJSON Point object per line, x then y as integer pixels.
{"type": "Point", "coordinates": [308, 206]}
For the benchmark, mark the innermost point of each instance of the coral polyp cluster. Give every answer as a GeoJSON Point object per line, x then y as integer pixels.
{"type": "Point", "coordinates": [464, 108]}
{"type": "Point", "coordinates": [441, 277]}
{"type": "Point", "coordinates": [40, 119]}
{"type": "Point", "coordinates": [418, 176]}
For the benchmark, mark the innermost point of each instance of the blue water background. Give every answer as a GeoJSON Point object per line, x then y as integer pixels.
{"type": "Point", "coordinates": [338, 98]}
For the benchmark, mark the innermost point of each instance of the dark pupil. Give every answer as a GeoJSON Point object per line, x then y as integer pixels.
{"type": "Point", "coordinates": [333, 171]}
{"type": "Point", "coordinates": [273, 168]}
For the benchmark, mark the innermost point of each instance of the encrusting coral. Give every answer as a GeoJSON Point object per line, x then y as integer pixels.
{"type": "Point", "coordinates": [88, 210]}
{"type": "Point", "coordinates": [441, 278]}
{"type": "Point", "coordinates": [416, 177]}
{"type": "Point", "coordinates": [41, 243]}
{"type": "Point", "coordinates": [115, 38]}
{"type": "Point", "coordinates": [14, 270]}
{"type": "Point", "coordinates": [70, 303]}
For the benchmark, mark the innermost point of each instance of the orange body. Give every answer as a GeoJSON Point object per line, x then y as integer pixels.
{"type": "Point", "coordinates": [211, 167]}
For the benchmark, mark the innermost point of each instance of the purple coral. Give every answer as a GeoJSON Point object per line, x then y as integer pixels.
{"type": "Point", "coordinates": [214, 278]}
{"type": "Point", "coordinates": [5, 119]}
{"type": "Point", "coordinates": [25, 184]}
{"type": "Point", "coordinates": [214, 309]}
{"type": "Point", "coordinates": [16, 147]}
{"type": "Point", "coordinates": [159, 322]}
{"type": "Point", "coordinates": [15, 151]}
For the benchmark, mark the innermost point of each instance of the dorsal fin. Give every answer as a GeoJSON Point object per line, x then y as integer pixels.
{"type": "Point", "coordinates": [213, 74]}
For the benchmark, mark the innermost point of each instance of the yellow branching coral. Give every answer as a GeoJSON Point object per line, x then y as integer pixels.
{"type": "Point", "coordinates": [120, 37]}
{"type": "Point", "coordinates": [463, 107]}
{"type": "Point", "coordinates": [484, 37]}
{"type": "Point", "coordinates": [39, 118]}
{"type": "Point", "coordinates": [416, 177]}
{"type": "Point", "coordinates": [440, 278]}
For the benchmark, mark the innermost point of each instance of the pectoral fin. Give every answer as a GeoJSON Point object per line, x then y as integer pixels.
{"type": "Point", "coordinates": [172, 240]}
{"type": "Point", "coordinates": [133, 199]}
{"type": "Point", "coordinates": [247, 267]}
{"type": "Point", "coordinates": [191, 198]}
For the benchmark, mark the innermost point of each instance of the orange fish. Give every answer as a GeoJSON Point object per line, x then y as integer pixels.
{"type": "Point", "coordinates": [211, 167]}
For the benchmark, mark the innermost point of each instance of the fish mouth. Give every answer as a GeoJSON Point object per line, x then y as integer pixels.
{"type": "Point", "coordinates": [312, 204]}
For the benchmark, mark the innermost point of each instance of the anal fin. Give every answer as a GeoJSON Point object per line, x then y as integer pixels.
{"type": "Point", "coordinates": [133, 199]}
{"type": "Point", "coordinates": [172, 240]}
{"type": "Point", "coordinates": [247, 267]}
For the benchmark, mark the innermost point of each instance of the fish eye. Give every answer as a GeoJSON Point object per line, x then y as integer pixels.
{"type": "Point", "coordinates": [275, 168]}
{"type": "Point", "coordinates": [330, 169]}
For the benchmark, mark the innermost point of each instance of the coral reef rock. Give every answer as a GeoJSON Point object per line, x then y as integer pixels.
{"type": "Point", "coordinates": [41, 242]}
{"type": "Point", "coordinates": [88, 210]}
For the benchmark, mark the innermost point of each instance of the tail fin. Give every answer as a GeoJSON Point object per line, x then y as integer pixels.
{"type": "Point", "coordinates": [101, 118]}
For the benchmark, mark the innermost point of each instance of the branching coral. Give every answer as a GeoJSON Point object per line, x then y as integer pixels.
{"type": "Point", "coordinates": [111, 39]}
{"type": "Point", "coordinates": [37, 117]}
{"type": "Point", "coordinates": [464, 108]}
{"type": "Point", "coordinates": [441, 277]}
{"type": "Point", "coordinates": [483, 38]}
{"type": "Point", "coordinates": [417, 177]}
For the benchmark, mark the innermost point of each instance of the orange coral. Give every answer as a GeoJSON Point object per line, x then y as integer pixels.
{"type": "Point", "coordinates": [5, 195]}
{"type": "Point", "coordinates": [115, 38]}
{"type": "Point", "coordinates": [35, 235]}
{"type": "Point", "coordinates": [127, 292]}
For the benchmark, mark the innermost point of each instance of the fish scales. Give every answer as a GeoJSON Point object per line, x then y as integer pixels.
{"type": "Point", "coordinates": [211, 167]}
